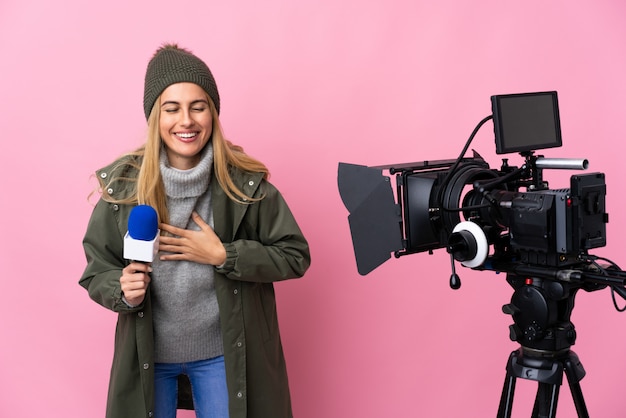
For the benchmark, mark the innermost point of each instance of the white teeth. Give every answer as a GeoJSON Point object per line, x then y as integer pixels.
{"type": "Point", "coordinates": [190, 135]}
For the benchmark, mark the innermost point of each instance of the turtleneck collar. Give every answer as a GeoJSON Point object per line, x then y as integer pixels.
{"type": "Point", "coordinates": [187, 183]}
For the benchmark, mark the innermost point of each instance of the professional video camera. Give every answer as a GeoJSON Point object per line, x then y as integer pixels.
{"type": "Point", "coordinates": [512, 222]}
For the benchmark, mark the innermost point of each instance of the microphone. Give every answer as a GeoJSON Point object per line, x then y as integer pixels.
{"type": "Point", "coordinates": [141, 242]}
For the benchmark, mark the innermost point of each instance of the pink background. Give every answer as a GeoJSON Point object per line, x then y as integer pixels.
{"type": "Point", "coordinates": [304, 85]}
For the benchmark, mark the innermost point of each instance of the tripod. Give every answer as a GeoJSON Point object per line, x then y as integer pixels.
{"type": "Point", "coordinates": [541, 311]}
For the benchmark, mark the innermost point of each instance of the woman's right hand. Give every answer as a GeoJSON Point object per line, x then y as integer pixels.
{"type": "Point", "coordinates": [134, 282]}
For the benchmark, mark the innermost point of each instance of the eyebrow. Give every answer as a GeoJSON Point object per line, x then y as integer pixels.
{"type": "Point", "coordinates": [174, 102]}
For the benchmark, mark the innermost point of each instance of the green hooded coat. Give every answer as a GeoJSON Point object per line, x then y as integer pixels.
{"type": "Point", "coordinates": [263, 244]}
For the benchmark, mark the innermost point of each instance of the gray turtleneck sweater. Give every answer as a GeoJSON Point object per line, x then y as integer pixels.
{"type": "Point", "coordinates": [185, 310]}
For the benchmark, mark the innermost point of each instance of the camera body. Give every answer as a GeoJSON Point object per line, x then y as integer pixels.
{"type": "Point", "coordinates": [537, 226]}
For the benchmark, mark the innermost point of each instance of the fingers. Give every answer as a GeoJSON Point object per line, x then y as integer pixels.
{"type": "Point", "coordinates": [175, 257]}
{"type": "Point", "coordinates": [135, 276]}
{"type": "Point", "coordinates": [165, 240]}
{"type": "Point", "coordinates": [172, 245]}
{"type": "Point", "coordinates": [184, 232]}
{"type": "Point", "coordinates": [172, 229]}
{"type": "Point", "coordinates": [199, 221]}
{"type": "Point", "coordinates": [203, 246]}
{"type": "Point", "coordinates": [134, 282]}
{"type": "Point", "coordinates": [136, 267]}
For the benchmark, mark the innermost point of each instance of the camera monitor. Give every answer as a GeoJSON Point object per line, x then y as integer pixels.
{"type": "Point", "coordinates": [526, 121]}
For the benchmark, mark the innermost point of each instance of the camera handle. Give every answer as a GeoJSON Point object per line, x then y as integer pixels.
{"type": "Point", "coordinates": [455, 280]}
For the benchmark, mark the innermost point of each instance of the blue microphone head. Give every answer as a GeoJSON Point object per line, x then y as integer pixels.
{"type": "Point", "coordinates": [143, 223]}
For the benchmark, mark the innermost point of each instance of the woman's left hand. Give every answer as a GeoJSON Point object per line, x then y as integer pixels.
{"type": "Point", "coordinates": [202, 246]}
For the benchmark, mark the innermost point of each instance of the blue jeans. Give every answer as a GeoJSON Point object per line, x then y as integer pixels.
{"type": "Point", "coordinates": [208, 388]}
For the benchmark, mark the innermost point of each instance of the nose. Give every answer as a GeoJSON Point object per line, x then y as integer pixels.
{"type": "Point", "coordinates": [185, 118]}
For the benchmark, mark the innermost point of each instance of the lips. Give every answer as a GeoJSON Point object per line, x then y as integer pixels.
{"type": "Point", "coordinates": [186, 136]}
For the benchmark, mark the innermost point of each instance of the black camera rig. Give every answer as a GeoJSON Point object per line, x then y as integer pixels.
{"type": "Point", "coordinates": [504, 220]}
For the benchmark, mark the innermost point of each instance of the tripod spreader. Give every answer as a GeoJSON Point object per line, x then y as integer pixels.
{"type": "Point", "coordinates": [547, 370]}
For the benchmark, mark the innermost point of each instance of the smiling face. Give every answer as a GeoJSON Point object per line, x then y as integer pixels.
{"type": "Point", "coordinates": [185, 123]}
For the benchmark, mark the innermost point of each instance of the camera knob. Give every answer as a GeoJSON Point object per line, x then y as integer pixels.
{"type": "Point", "coordinates": [533, 332]}
{"type": "Point", "coordinates": [571, 336]}
{"type": "Point", "coordinates": [510, 309]}
{"type": "Point", "coordinates": [514, 332]}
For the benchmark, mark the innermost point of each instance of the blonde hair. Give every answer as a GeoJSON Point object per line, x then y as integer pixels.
{"type": "Point", "coordinates": [149, 188]}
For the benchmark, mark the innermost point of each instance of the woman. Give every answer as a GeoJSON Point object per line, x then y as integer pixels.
{"type": "Point", "coordinates": [203, 313]}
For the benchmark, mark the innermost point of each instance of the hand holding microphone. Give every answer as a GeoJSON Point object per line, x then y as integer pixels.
{"type": "Point", "coordinates": [141, 243]}
{"type": "Point", "coordinates": [134, 282]}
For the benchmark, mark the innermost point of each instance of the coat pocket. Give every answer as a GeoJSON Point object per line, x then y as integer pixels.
{"type": "Point", "coordinates": [266, 310]}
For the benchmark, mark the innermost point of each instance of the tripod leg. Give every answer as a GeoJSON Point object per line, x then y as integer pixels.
{"type": "Point", "coordinates": [575, 373]}
{"type": "Point", "coordinates": [506, 400]}
{"type": "Point", "coordinates": [546, 400]}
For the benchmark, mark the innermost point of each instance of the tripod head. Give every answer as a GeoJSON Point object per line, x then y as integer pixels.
{"type": "Point", "coordinates": [541, 311]}
{"type": "Point", "coordinates": [541, 308]}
